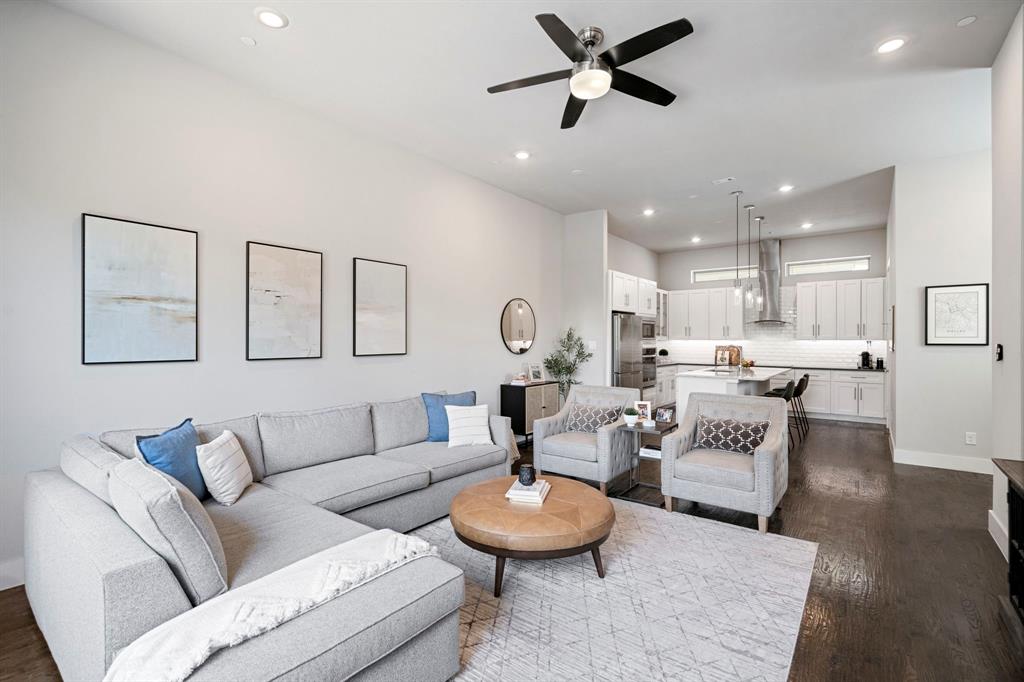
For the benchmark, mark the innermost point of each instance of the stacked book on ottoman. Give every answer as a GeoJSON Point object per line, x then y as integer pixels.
{"type": "Point", "coordinates": [531, 494]}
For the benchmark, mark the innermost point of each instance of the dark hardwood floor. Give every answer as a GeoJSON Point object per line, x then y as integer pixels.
{"type": "Point", "coordinates": [905, 585]}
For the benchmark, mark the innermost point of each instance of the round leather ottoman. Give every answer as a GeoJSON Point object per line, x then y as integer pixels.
{"type": "Point", "coordinates": [573, 519]}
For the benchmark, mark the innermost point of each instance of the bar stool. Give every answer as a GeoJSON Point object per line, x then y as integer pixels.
{"type": "Point", "coordinates": [799, 413]}
{"type": "Point", "coordinates": [787, 395]}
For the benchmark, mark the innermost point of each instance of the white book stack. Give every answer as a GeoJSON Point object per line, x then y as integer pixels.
{"type": "Point", "coordinates": [531, 494]}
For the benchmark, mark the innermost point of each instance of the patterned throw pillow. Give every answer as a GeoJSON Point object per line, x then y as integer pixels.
{"type": "Point", "coordinates": [729, 434]}
{"type": "Point", "coordinates": [589, 418]}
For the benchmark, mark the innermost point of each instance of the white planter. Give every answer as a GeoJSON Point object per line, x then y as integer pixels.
{"type": "Point", "coordinates": [630, 419]}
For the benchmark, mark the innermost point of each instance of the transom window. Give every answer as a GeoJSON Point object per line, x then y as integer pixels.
{"type": "Point", "coordinates": [722, 274]}
{"type": "Point", "coordinates": [823, 266]}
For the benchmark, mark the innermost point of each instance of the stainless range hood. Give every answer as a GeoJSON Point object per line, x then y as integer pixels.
{"type": "Point", "coordinates": [769, 274]}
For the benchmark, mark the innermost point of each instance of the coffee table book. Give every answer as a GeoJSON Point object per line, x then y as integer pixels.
{"type": "Point", "coordinates": [533, 494]}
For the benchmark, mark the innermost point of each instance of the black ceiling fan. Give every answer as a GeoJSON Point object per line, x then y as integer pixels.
{"type": "Point", "coordinates": [592, 75]}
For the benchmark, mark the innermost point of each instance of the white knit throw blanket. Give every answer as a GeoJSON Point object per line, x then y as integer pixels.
{"type": "Point", "coordinates": [173, 650]}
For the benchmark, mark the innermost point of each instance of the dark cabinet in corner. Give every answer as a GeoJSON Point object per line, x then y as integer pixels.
{"type": "Point", "coordinates": [524, 404]}
{"type": "Point", "coordinates": [1014, 470]}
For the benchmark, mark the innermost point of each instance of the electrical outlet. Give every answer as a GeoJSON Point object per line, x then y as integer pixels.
{"type": "Point", "coordinates": [971, 438]}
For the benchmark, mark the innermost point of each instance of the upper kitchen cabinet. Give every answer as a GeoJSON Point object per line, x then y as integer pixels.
{"type": "Point", "coordinates": [688, 314]}
{"type": "Point", "coordinates": [725, 315]}
{"type": "Point", "coordinates": [860, 308]}
{"type": "Point", "coordinates": [647, 298]}
{"type": "Point", "coordinates": [662, 326]}
{"type": "Point", "coordinates": [816, 316]}
{"type": "Point", "coordinates": [625, 292]}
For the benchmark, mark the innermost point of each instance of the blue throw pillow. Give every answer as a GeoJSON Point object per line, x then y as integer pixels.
{"type": "Point", "coordinates": [174, 453]}
{"type": "Point", "coordinates": [437, 418]}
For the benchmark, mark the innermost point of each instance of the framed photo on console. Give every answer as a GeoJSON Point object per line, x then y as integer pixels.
{"type": "Point", "coordinates": [284, 302]}
{"type": "Point", "coordinates": [140, 292]}
{"type": "Point", "coordinates": [956, 315]}
{"type": "Point", "coordinates": [379, 308]}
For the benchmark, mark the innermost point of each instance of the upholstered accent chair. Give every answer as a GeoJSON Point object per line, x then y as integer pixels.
{"type": "Point", "coordinates": [752, 483]}
{"type": "Point", "coordinates": [599, 456]}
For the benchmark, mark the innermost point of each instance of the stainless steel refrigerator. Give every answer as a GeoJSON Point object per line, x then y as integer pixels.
{"type": "Point", "coordinates": [626, 356]}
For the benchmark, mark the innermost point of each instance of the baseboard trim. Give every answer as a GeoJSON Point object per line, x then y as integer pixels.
{"type": "Point", "coordinates": [937, 460]}
{"type": "Point", "coordinates": [12, 573]}
{"type": "Point", "coordinates": [999, 533]}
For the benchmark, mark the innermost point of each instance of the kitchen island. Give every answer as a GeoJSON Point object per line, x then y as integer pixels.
{"type": "Point", "coordinates": [729, 380]}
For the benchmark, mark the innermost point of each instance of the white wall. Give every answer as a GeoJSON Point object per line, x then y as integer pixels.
{"type": "Point", "coordinates": [585, 289]}
{"type": "Point", "coordinates": [625, 256]}
{"type": "Point", "coordinates": [1007, 262]}
{"type": "Point", "coordinates": [674, 267]}
{"type": "Point", "coordinates": [942, 235]}
{"type": "Point", "coordinates": [95, 121]}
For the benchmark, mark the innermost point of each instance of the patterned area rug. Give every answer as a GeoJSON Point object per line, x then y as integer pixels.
{"type": "Point", "coordinates": [684, 598]}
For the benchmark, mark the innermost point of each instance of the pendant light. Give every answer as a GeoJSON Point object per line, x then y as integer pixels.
{"type": "Point", "coordinates": [748, 288]}
{"type": "Point", "coordinates": [737, 285]}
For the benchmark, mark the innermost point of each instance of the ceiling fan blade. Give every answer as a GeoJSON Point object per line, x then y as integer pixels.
{"type": "Point", "coordinates": [563, 37]}
{"type": "Point", "coordinates": [573, 109]}
{"type": "Point", "coordinates": [532, 80]}
{"type": "Point", "coordinates": [641, 88]}
{"type": "Point", "coordinates": [647, 42]}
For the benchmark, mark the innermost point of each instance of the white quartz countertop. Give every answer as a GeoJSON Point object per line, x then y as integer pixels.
{"type": "Point", "coordinates": [735, 375]}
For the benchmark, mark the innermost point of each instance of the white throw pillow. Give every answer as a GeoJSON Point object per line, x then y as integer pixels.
{"type": "Point", "coordinates": [224, 467]}
{"type": "Point", "coordinates": [468, 426]}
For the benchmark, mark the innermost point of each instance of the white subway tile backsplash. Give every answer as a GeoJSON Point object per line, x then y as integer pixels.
{"type": "Point", "coordinates": [777, 344]}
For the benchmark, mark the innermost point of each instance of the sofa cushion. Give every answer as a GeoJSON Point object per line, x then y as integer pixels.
{"type": "Point", "coordinates": [244, 428]}
{"type": "Point", "coordinates": [716, 433]}
{"type": "Point", "coordinates": [584, 418]}
{"type": "Point", "coordinates": [443, 462]}
{"type": "Point", "coordinates": [174, 453]}
{"type": "Point", "coordinates": [437, 417]}
{"type": "Point", "coordinates": [717, 467]}
{"type": "Point", "coordinates": [267, 529]}
{"type": "Point", "coordinates": [225, 470]}
{"type": "Point", "coordinates": [86, 462]}
{"type": "Point", "coordinates": [398, 422]}
{"type": "Point", "coordinates": [572, 444]}
{"type": "Point", "coordinates": [174, 523]}
{"type": "Point", "coordinates": [295, 440]}
{"type": "Point", "coordinates": [351, 483]}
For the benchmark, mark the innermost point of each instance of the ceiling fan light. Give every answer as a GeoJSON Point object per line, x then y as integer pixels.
{"type": "Point", "coordinates": [590, 80]}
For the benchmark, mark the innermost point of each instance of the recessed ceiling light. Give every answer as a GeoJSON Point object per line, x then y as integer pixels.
{"type": "Point", "coordinates": [695, 240]}
{"type": "Point", "coordinates": [891, 45]}
{"type": "Point", "coordinates": [576, 171]}
{"type": "Point", "coordinates": [522, 155]}
{"type": "Point", "coordinates": [248, 41]}
{"type": "Point", "coordinates": [786, 188]}
{"type": "Point", "coordinates": [967, 21]}
{"type": "Point", "coordinates": [648, 212]}
{"type": "Point", "coordinates": [807, 226]}
{"type": "Point", "coordinates": [271, 18]}
{"type": "Point", "coordinates": [694, 196]}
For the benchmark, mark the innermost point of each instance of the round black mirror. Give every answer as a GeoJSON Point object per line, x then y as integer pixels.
{"type": "Point", "coordinates": [518, 326]}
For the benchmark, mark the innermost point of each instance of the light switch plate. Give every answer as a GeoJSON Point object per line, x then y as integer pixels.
{"type": "Point", "coordinates": [591, 345]}
{"type": "Point", "coordinates": [971, 438]}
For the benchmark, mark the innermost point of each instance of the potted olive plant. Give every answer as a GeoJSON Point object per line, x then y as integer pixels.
{"type": "Point", "coordinates": [630, 415]}
{"type": "Point", "coordinates": [565, 361]}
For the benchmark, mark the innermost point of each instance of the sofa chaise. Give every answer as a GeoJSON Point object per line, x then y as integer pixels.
{"type": "Point", "coordinates": [321, 478]}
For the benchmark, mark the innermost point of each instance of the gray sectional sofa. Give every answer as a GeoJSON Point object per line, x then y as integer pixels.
{"type": "Point", "coordinates": [321, 477]}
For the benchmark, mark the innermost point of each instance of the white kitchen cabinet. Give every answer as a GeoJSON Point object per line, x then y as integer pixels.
{"type": "Point", "coordinates": [678, 315]}
{"type": "Point", "coordinates": [647, 298]}
{"type": "Point", "coordinates": [872, 303]}
{"type": "Point", "coordinates": [816, 397]}
{"type": "Point", "coordinates": [650, 394]}
{"type": "Point", "coordinates": [699, 306]}
{"type": "Point", "coordinates": [845, 398]}
{"type": "Point", "coordinates": [625, 289]}
{"type": "Point", "coordinates": [725, 314]}
{"type": "Point", "coordinates": [733, 316]}
{"type": "Point", "coordinates": [860, 308]}
{"type": "Point", "coordinates": [816, 310]}
{"type": "Point", "coordinates": [662, 324]}
{"type": "Point", "coordinates": [872, 400]}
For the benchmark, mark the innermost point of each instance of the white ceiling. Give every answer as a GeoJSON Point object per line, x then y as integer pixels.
{"type": "Point", "coordinates": [770, 92]}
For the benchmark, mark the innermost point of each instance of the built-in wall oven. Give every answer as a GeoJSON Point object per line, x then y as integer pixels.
{"type": "Point", "coordinates": [648, 331]}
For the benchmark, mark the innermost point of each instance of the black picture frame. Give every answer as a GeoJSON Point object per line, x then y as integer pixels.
{"type": "Point", "coordinates": [928, 312]}
{"type": "Point", "coordinates": [84, 317]}
{"type": "Point", "coordinates": [355, 296]}
{"type": "Point", "coordinates": [248, 302]}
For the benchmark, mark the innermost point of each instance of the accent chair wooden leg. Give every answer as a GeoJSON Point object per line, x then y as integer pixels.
{"type": "Point", "coordinates": [604, 488]}
{"type": "Point", "coordinates": [668, 503]}
{"type": "Point", "coordinates": [762, 524]}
